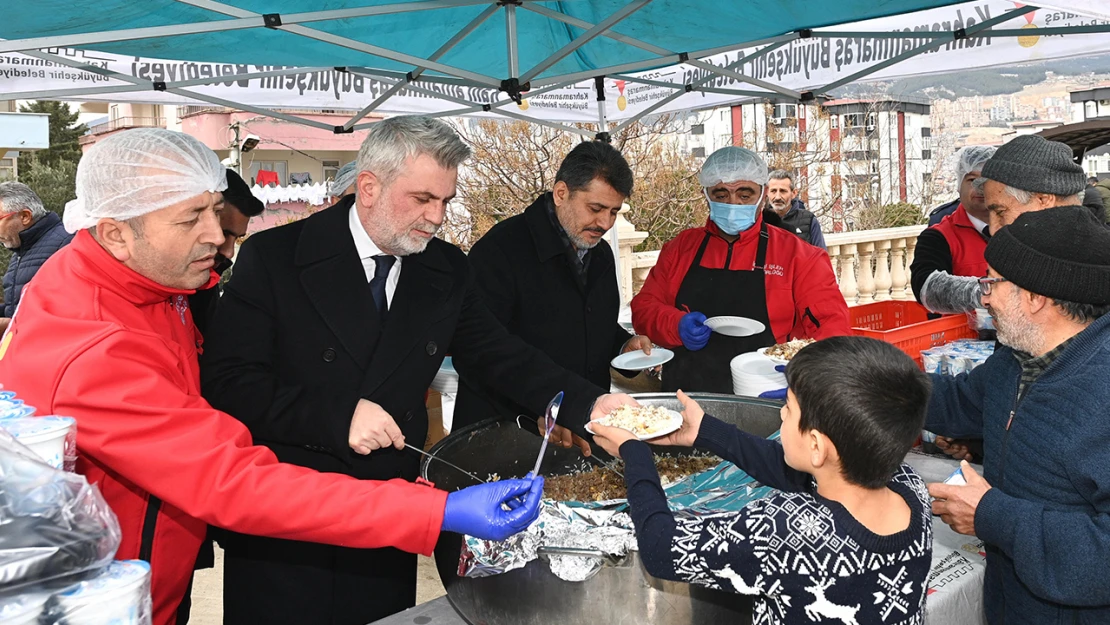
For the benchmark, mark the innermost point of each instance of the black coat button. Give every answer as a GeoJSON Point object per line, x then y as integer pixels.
{"type": "Point", "coordinates": [431, 348]}
{"type": "Point", "coordinates": [589, 309]}
{"type": "Point", "coordinates": [408, 416]}
{"type": "Point", "coordinates": [329, 355]}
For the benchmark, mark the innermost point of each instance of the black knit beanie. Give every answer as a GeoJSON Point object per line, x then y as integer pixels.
{"type": "Point", "coordinates": [1062, 253]}
{"type": "Point", "coordinates": [1033, 163]}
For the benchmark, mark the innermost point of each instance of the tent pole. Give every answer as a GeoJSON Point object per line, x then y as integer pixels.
{"type": "Point", "coordinates": [182, 92]}
{"type": "Point", "coordinates": [593, 33]}
{"type": "Point", "coordinates": [451, 43]}
{"type": "Point", "coordinates": [352, 44]}
{"type": "Point", "coordinates": [248, 20]}
{"type": "Point", "coordinates": [602, 121]}
{"type": "Point", "coordinates": [511, 41]}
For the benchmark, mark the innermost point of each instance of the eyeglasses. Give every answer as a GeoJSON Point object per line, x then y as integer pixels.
{"type": "Point", "coordinates": [986, 283]}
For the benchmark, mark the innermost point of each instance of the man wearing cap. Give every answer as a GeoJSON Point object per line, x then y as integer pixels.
{"type": "Point", "coordinates": [239, 206]}
{"type": "Point", "coordinates": [953, 249]}
{"type": "Point", "coordinates": [1042, 505]}
{"type": "Point", "coordinates": [734, 265]}
{"type": "Point", "coordinates": [1027, 174]}
{"type": "Point", "coordinates": [104, 334]}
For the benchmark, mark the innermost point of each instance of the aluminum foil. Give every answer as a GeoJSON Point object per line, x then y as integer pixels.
{"type": "Point", "coordinates": [604, 527]}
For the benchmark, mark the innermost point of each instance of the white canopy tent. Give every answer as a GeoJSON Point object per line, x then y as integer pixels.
{"type": "Point", "coordinates": [797, 65]}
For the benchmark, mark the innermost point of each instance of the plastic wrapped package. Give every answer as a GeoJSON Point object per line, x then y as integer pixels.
{"type": "Point", "coordinates": [53, 524]}
{"type": "Point", "coordinates": [945, 293]}
{"type": "Point", "coordinates": [980, 319]}
{"type": "Point", "coordinates": [956, 357]}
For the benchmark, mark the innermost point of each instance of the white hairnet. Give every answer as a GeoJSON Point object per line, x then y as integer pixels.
{"type": "Point", "coordinates": [344, 178]}
{"type": "Point", "coordinates": [732, 164]}
{"type": "Point", "coordinates": [972, 158]}
{"type": "Point", "coordinates": [139, 171]}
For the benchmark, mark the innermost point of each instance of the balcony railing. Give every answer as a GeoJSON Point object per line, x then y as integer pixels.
{"type": "Point", "coordinates": [870, 265]}
{"type": "Point", "coordinates": [127, 122]}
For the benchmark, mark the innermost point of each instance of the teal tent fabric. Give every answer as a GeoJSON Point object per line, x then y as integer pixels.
{"type": "Point", "coordinates": [676, 25]}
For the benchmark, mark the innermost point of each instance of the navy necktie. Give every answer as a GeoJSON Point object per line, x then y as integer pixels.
{"type": "Point", "coordinates": [383, 264]}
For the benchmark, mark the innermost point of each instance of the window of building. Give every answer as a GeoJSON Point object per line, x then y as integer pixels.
{"type": "Point", "coordinates": [7, 169]}
{"type": "Point", "coordinates": [926, 132]}
{"type": "Point", "coordinates": [785, 111]}
{"type": "Point", "coordinates": [926, 155]}
{"type": "Point", "coordinates": [697, 129]}
{"type": "Point", "coordinates": [330, 169]}
{"type": "Point", "coordinates": [927, 179]}
{"type": "Point", "coordinates": [279, 167]}
{"type": "Point", "coordinates": [834, 121]}
{"type": "Point", "coordinates": [698, 152]}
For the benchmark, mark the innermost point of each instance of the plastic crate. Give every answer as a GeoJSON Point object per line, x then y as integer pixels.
{"type": "Point", "coordinates": [907, 326]}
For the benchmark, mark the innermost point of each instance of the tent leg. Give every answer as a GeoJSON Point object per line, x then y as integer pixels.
{"type": "Point", "coordinates": [602, 120]}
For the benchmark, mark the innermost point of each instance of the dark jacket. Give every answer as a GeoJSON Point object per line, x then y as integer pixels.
{"type": "Point", "coordinates": [36, 244]}
{"type": "Point", "coordinates": [804, 224]}
{"type": "Point", "coordinates": [1046, 519]}
{"type": "Point", "coordinates": [942, 211]}
{"type": "Point", "coordinates": [296, 342]}
{"type": "Point", "coordinates": [524, 272]}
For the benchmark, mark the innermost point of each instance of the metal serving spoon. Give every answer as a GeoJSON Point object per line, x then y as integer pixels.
{"type": "Point", "coordinates": [424, 453]}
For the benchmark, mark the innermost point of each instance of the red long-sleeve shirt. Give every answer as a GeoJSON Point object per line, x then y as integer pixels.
{"type": "Point", "coordinates": [98, 342]}
{"type": "Point", "coordinates": [803, 299]}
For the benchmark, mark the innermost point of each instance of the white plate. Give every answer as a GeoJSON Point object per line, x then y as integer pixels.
{"type": "Point", "coordinates": [735, 326]}
{"type": "Point", "coordinates": [754, 365]}
{"type": "Point", "coordinates": [639, 360]}
{"type": "Point", "coordinates": [762, 351]}
{"type": "Point", "coordinates": [673, 426]}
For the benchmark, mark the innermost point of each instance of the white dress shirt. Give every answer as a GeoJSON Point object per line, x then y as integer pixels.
{"type": "Point", "coordinates": [975, 221]}
{"type": "Point", "coordinates": [367, 250]}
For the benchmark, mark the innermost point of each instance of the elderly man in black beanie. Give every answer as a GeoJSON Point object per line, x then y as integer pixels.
{"type": "Point", "coordinates": [1027, 174]}
{"type": "Point", "coordinates": [1040, 403]}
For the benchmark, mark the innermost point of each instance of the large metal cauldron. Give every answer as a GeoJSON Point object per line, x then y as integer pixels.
{"type": "Point", "coordinates": [621, 592]}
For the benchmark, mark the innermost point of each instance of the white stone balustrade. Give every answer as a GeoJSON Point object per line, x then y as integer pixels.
{"type": "Point", "coordinates": [870, 265]}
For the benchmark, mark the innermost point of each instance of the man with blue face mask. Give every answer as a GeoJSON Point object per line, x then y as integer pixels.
{"type": "Point", "coordinates": [734, 265]}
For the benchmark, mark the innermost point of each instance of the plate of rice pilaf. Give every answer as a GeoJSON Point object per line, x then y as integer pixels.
{"type": "Point", "coordinates": [784, 352]}
{"type": "Point", "coordinates": [646, 422]}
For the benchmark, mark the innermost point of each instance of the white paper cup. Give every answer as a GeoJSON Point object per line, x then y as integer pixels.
{"type": "Point", "coordinates": [115, 596]}
{"type": "Point", "coordinates": [45, 436]}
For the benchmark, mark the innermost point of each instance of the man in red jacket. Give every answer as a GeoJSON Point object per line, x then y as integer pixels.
{"type": "Point", "coordinates": [104, 334]}
{"type": "Point", "coordinates": [955, 246]}
{"type": "Point", "coordinates": [734, 265]}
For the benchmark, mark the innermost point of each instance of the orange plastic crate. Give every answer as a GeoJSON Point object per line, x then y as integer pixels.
{"type": "Point", "coordinates": [907, 326]}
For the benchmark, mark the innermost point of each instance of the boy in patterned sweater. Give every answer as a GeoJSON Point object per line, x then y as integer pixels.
{"type": "Point", "coordinates": [849, 537]}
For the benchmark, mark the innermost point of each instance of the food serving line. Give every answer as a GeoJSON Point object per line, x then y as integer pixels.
{"type": "Point", "coordinates": [532, 594]}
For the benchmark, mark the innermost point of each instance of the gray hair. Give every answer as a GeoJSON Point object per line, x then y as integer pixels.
{"type": "Point", "coordinates": [344, 178]}
{"type": "Point", "coordinates": [782, 174]}
{"type": "Point", "coordinates": [16, 196]}
{"type": "Point", "coordinates": [392, 141]}
{"type": "Point", "coordinates": [1024, 197]}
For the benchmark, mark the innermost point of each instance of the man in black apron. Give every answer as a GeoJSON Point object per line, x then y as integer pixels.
{"type": "Point", "coordinates": [749, 259]}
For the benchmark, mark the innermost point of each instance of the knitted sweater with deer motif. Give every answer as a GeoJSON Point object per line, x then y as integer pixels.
{"type": "Point", "coordinates": [804, 557]}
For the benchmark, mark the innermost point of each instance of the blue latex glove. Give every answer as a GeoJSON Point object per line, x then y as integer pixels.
{"type": "Point", "coordinates": [779, 394]}
{"type": "Point", "coordinates": [477, 511]}
{"type": "Point", "coordinates": [693, 331]}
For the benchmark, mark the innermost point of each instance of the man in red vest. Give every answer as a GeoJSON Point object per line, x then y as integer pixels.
{"type": "Point", "coordinates": [955, 246]}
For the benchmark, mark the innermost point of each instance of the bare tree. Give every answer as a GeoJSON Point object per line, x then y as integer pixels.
{"type": "Point", "coordinates": [516, 162]}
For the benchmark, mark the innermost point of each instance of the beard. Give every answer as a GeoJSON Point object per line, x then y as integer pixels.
{"type": "Point", "coordinates": [581, 243]}
{"type": "Point", "coordinates": [396, 237]}
{"type": "Point", "coordinates": [1016, 331]}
